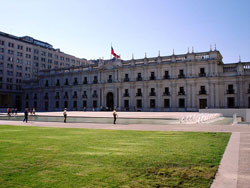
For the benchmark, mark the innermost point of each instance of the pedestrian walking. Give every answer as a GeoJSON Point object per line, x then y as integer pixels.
{"type": "Point", "coordinates": [115, 115]}
{"type": "Point", "coordinates": [65, 114]}
{"type": "Point", "coordinates": [15, 111]}
{"type": "Point", "coordinates": [34, 111]}
{"type": "Point", "coordinates": [8, 111]}
{"type": "Point", "coordinates": [26, 113]}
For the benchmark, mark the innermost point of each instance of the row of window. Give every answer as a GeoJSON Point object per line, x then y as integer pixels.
{"type": "Point", "coordinates": [110, 80]}
{"type": "Point", "coordinates": [126, 105]}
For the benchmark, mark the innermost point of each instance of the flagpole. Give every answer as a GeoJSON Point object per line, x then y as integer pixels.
{"type": "Point", "coordinates": [110, 53]}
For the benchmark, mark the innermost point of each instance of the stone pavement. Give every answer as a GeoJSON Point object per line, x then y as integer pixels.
{"type": "Point", "coordinates": [234, 170]}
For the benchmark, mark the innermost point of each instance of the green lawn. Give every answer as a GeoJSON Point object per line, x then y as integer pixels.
{"type": "Point", "coordinates": [62, 157]}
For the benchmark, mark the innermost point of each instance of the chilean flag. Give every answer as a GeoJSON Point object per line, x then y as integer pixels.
{"type": "Point", "coordinates": [113, 53]}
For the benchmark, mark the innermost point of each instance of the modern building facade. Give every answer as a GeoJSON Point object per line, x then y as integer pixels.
{"type": "Point", "coordinates": [185, 82]}
{"type": "Point", "coordinates": [21, 58]}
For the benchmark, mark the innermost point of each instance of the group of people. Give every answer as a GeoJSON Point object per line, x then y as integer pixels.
{"type": "Point", "coordinates": [115, 115]}
{"type": "Point", "coordinates": [11, 111]}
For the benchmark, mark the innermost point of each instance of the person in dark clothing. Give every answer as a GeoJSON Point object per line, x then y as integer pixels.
{"type": "Point", "coordinates": [26, 113]}
{"type": "Point", "coordinates": [115, 115]}
{"type": "Point", "coordinates": [8, 111]}
{"type": "Point", "coordinates": [65, 115]}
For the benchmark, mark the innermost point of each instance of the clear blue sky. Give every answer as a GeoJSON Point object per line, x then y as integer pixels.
{"type": "Point", "coordinates": [86, 28]}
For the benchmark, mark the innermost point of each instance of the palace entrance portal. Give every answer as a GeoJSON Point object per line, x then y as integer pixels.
{"type": "Point", "coordinates": [110, 101]}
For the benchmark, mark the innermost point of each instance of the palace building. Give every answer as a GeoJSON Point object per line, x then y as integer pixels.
{"type": "Point", "coordinates": [21, 58]}
{"type": "Point", "coordinates": [186, 82]}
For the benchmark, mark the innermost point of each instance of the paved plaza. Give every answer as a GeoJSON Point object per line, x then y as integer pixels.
{"type": "Point", "coordinates": [234, 170]}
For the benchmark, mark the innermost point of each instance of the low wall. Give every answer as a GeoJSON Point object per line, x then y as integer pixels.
{"type": "Point", "coordinates": [242, 112]}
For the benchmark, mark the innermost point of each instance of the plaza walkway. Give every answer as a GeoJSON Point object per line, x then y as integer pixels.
{"type": "Point", "coordinates": [234, 170]}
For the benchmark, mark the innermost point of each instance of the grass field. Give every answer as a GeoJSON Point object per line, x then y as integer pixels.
{"type": "Point", "coordinates": [62, 157]}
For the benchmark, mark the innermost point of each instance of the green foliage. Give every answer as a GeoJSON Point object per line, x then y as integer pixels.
{"type": "Point", "coordinates": [86, 158]}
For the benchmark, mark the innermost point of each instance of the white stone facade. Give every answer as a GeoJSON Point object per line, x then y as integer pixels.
{"type": "Point", "coordinates": [184, 82]}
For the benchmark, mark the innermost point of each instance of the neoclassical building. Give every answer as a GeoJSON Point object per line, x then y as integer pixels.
{"type": "Point", "coordinates": [185, 82]}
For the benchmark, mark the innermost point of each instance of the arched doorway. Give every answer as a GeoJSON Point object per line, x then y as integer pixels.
{"type": "Point", "coordinates": [110, 101]}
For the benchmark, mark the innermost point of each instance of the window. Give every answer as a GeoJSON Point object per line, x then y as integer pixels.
{"type": "Point", "coordinates": [139, 103]}
{"type": "Point", "coordinates": [28, 49]}
{"type": "Point", "coordinates": [84, 94]}
{"type": "Point", "coordinates": [65, 104]}
{"type": "Point", "coordinates": [230, 89]}
{"type": "Point", "coordinates": [57, 104]}
{"type": "Point", "coordinates": [75, 94]}
{"type": "Point", "coordinates": [202, 72]}
{"type": "Point", "coordinates": [181, 103]}
{"type": "Point", "coordinates": [95, 80]}
{"type": "Point", "coordinates": [152, 77]}
{"type": "Point", "coordinates": [36, 51]}
{"type": "Point", "coordinates": [152, 92]}
{"type": "Point", "coordinates": [11, 45]}
{"type": "Point", "coordinates": [166, 103]}
{"type": "Point", "coordinates": [181, 91]}
{"type": "Point", "coordinates": [10, 52]}
{"type": "Point", "coordinates": [230, 102]}
{"type": "Point", "coordinates": [1, 42]}
{"type": "Point", "coordinates": [19, 54]}
{"type": "Point", "coordinates": [94, 94]}
{"type": "Point", "coordinates": [126, 79]}
{"type": "Point", "coordinates": [126, 105]}
{"type": "Point", "coordinates": [202, 90]}
{"type": "Point", "coordinates": [203, 103]}
{"type": "Point", "coordinates": [85, 81]}
{"type": "Point", "coordinates": [181, 74]}
{"type": "Point", "coordinates": [66, 82]}
{"type": "Point", "coordinates": [19, 47]}
{"type": "Point", "coordinates": [75, 104]}
{"type": "Point", "coordinates": [57, 82]}
{"type": "Point", "coordinates": [166, 91]}
{"type": "Point", "coordinates": [166, 75]}
{"type": "Point", "coordinates": [94, 104]}
{"type": "Point", "coordinates": [75, 81]}
{"type": "Point", "coordinates": [10, 59]}
{"type": "Point", "coordinates": [139, 92]}
{"type": "Point", "coordinates": [43, 53]}
{"type": "Point", "coordinates": [139, 78]}
{"type": "Point", "coordinates": [84, 104]}
{"type": "Point", "coordinates": [126, 94]}
{"type": "Point", "coordinates": [152, 103]}
{"type": "Point", "coordinates": [110, 79]}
